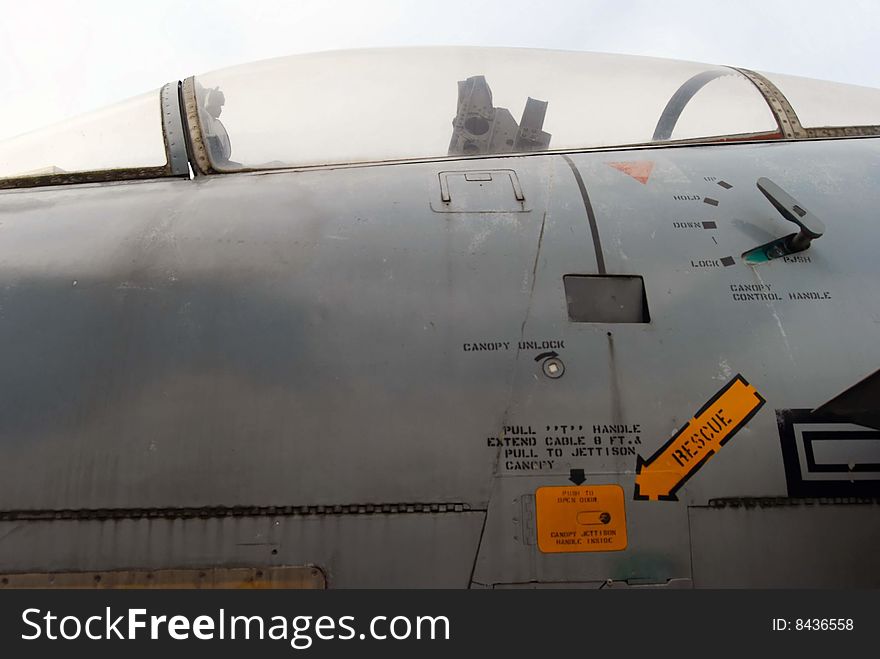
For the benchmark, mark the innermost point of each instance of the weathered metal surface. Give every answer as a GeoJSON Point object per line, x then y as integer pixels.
{"type": "Point", "coordinates": [172, 130]}
{"type": "Point", "coordinates": [785, 116]}
{"type": "Point", "coordinates": [233, 511]}
{"type": "Point", "coordinates": [287, 577]}
{"type": "Point", "coordinates": [352, 551]}
{"type": "Point", "coordinates": [199, 154]}
{"type": "Point", "coordinates": [323, 341]}
{"type": "Point", "coordinates": [803, 546]}
{"type": "Point", "coordinates": [843, 131]}
{"type": "Point", "coordinates": [102, 176]}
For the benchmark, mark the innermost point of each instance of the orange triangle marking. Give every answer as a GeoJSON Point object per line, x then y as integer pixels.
{"type": "Point", "coordinates": [640, 170]}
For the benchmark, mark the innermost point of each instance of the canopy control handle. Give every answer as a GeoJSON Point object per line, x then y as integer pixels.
{"type": "Point", "coordinates": [811, 227]}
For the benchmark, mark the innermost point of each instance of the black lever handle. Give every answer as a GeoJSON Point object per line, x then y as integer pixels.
{"type": "Point", "coordinates": [811, 227]}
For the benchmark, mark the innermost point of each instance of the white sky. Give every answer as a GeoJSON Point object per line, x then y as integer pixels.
{"type": "Point", "coordinates": [60, 58]}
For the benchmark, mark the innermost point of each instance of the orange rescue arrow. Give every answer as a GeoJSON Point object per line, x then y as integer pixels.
{"type": "Point", "coordinates": [660, 476]}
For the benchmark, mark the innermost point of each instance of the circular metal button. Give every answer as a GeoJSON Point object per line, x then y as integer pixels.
{"type": "Point", "coordinates": [553, 367]}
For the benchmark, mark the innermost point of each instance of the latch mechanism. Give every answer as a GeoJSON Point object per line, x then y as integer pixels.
{"type": "Point", "coordinates": [811, 227]}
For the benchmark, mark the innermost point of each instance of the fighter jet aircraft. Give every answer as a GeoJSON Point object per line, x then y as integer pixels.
{"type": "Point", "coordinates": [445, 317]}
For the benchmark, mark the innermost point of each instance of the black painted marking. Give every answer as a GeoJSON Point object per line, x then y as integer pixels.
{"type": "Point", "coordinates": [576, 476]}
{"type": "Point", "coordinates": [591, 217]}
{"type": "Point", "coordinates": [858, 404]}
{"type": "Point", "coordinates": [799, 483]}
{"type": "Point", "coordinates": [725, 185]}
{"type": "Point", "coordinates": [727, 260]}
{"type": "Point", "coordinates": [546, 355]}
{"type": "Point", "coordinates": [641, 462]}
{"type": "Point", "coordinates": [714, 241]}
{"type": "Point", "coordinates": [710, 225]}
{"type": "Point", "coordinates": [710, 201]}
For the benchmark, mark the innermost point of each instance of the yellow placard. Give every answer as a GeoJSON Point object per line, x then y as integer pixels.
{"type": "Point", "coordinates": [580, 518]}
{"type": "Point", "coordinates": [660, 476]}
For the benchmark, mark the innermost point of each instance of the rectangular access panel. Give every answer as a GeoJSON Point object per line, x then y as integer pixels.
{"type": "Point", "coordinates": [606, 299]}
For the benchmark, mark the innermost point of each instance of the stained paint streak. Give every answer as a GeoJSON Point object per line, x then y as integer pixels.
{"type": "Point", "coordinates": [591, 217]}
